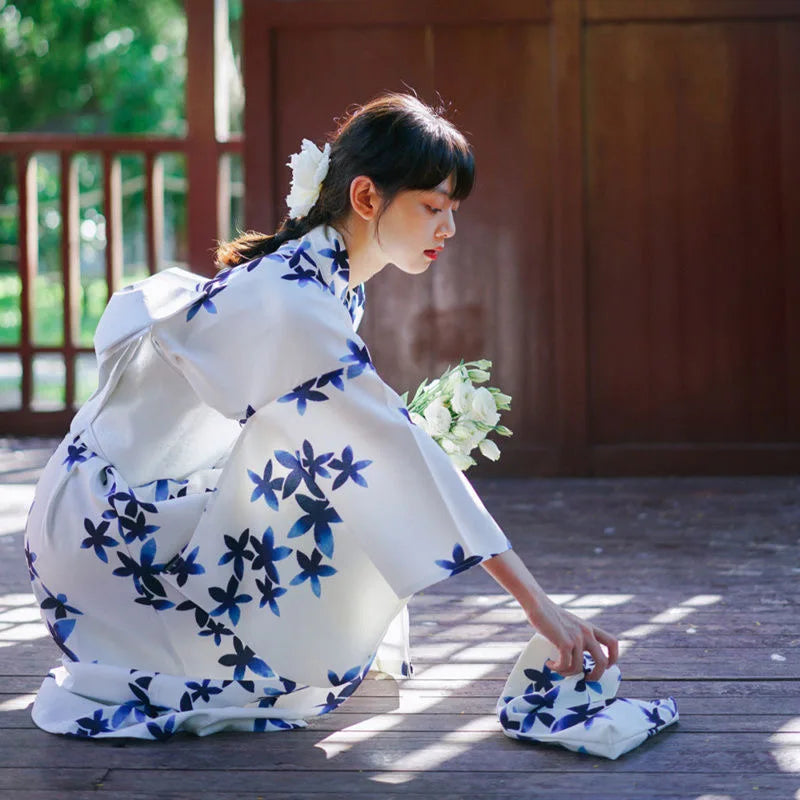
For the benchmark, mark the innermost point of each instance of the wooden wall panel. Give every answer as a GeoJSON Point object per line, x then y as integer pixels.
{"type": "Point", "coordinates": [788, 46]}
{"type": "Point", "coordinates": [489, 295]}
{"type": "Point", "coordinates": [630, 257]}
{"type": "Point", "coordinates": [499, 261]}
{"type": "Point", "coordinates": [686, 276]}
{"type": "Point", "coordinates": [352, 65]}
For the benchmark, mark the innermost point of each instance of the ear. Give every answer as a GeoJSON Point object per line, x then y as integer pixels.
{"type": "Point", "coordinates": [364, 197]}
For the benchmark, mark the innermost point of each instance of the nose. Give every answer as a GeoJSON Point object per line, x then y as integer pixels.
{"type": "Point", "coordinates": [447, 227]}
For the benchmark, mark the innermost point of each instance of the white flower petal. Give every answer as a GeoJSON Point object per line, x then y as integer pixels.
{"type": "Point", "coordinates": [489, 449]}
{"type": "Point", "coordinates": [309, 168]}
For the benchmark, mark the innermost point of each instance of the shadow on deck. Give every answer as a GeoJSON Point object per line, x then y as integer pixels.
{"type": "Point", "coordinates": [698, 577]}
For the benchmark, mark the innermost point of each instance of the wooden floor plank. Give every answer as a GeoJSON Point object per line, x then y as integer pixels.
{"type": "Point", "coordinates": [697, 576]}
{"type": "Point", "coordinates": [457, 750]}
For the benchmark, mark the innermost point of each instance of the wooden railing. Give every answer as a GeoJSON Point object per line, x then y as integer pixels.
{"type": "Point", "coordinates": [26, 420]}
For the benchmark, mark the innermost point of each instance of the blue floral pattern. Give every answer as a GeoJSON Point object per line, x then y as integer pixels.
{"type": "Point", "coordinates": [540, 705]}
{"type": "Point", "coordinates": [223, 566]}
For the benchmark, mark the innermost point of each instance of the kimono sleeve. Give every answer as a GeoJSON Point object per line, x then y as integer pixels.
{"type": "Point", "coordinates": [333, 453]}
{"type": "Point", "coordinates": [252, 337]}
{"type": "Point", "coordinates": [393, 488]}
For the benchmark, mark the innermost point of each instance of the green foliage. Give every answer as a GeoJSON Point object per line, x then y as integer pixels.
{"type": "Point", "coordinates": [48, 314]}
{"type": "Point", "coordinates": [88, 66]}
{"type": "Point", "coordinates": [96, 66]}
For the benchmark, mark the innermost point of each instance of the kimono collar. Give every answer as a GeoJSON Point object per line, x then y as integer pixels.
{"type": "Point", "coordinates": [330, 257]}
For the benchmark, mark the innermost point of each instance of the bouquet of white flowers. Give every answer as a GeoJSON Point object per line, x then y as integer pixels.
{"type": "Point", "coordinates": [459, 415]}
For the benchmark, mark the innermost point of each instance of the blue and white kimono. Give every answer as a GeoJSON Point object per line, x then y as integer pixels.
{"type": "Point", "coordinates": [239, 514]}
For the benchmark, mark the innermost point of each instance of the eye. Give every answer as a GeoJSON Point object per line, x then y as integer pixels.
{"type": "Point", "coordinates": [433, 209]}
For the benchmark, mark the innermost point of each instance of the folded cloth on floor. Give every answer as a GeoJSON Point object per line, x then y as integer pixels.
{"type": "Point", "coordinates": [539, 705]}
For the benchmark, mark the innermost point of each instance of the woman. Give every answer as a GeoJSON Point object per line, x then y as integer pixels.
{"type": "Point", "coordinates": [229, 534]}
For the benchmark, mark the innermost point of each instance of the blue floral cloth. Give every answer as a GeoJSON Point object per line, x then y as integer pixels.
{"type": "Point", "coordinates": [540, 705]}
{"type": "Point", "coordinates": [228, 536]}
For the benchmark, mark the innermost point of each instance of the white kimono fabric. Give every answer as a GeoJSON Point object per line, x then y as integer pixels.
{"type": "Point", "coordinates": [241, 510]}
{"type": "Point", "coordinates": [540, 705]}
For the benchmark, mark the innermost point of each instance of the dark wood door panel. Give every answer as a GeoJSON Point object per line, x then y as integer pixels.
{"type": "Point", "coordinates": [687, 203]}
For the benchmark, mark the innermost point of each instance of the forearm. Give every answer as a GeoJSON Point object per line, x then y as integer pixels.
{"type": "Point", "coordinates": [511, 573]}
{"type": "Point", "coordinates": [567, 632]}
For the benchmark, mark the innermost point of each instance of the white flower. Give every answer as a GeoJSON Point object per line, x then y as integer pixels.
{"type": "Point", "coordinates": [478, 375]}
{"type": "Point", "coordinates": [461, 461]}
{"type": "Point", "coordinates": [490, 449]}
{"type": "Point", "coordinates": [502, 401]}
{"type": "Point", "coordinates": [462, 396]}
{"type": "Point", "coordinates": [468, 434]}
{"type": "Point", "coordinates": [483, 407]}
{"type": "Point", "coordinates": [438, 418]}
{"type": "Point", "coordinates": [309, 168]}
{"type": "Point", "coordinates": [420, 421]}
{"type": "Point", "coordinates": [449, 446]}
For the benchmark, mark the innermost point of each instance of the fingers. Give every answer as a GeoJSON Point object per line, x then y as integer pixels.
{"type": "Point", "coordinates": [600, 662]}
{"type": "Point", "coordinates": [570, 661]}
{"type": "Point", "coordinates": [611, 643]}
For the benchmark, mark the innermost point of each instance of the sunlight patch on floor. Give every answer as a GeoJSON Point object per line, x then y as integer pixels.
{"type": "Point", "coordinates": [671, 615]}
{"type": "Point", "coordinates": [598, 600]}
{"type": "Point", "coordinates": [449, 746]}
{"type": "Point", "coordinates": [20, 620]}
{"type": "Point", "coordinates": [15, 500]}
{"type": "Point", "coordinates": [341, 741]}
{"type": "Point", "coordinates": [787, 751]}
{"type": "Point", "coordinates": [17, 703]}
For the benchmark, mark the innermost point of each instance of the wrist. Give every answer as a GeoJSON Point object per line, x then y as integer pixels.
{"type": "Point", "coordinates": [533, 600]}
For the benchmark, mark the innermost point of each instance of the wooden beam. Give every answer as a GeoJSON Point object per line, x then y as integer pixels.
{"type": "Point", "coordinates": [202, 151]}
{"type": "Point", "coordinates": [259, 119]}
{"type": "Point", "coordinates": [366, 13]}
{"type": "Point", "coordinates": [695, 10]}
{"type": "Point", "coordinates": [569, 266]}
{"type": "Point", "coordinates": [733, 458]}
{"type": "Point", "coordinates": [35, 142]}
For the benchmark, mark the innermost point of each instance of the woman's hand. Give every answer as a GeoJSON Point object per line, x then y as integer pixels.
{"type": "Point", "coordinates": [570, 634]}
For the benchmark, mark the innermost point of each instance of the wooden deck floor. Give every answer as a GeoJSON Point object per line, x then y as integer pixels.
{"type": "Point", "coordinates": [699, 578]}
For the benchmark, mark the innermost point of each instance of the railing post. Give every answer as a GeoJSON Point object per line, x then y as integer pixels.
{"type": "Point", "coordinates": [204, 17]}
{"type": "Point", "coordinates": [154, 205]}
{"type": "Point", "coordinates": [70, 270]}
{"type": "Point", "coordinates": [112, 209]}
{"type": "Point", "coordinates": [27, 234]}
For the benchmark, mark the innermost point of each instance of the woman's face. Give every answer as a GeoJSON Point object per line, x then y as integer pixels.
{"type": "Point", "coordinates": [414, 228]}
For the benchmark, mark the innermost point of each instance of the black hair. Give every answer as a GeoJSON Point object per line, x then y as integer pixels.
{"type": "Point", "coordinates": [397, 141]}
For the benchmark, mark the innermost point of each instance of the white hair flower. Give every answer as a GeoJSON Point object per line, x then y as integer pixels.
{"type": "Point", "coordinates": [309, 168]}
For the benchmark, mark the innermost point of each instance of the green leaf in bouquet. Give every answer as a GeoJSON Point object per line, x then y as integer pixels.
{"type": "Point", "coordinates": [503, 431]}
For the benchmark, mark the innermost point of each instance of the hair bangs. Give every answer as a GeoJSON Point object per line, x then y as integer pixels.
{"type": "Point", "coordinates": [443, 155]}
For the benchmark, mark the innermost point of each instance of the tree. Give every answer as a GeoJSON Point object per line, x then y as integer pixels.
{"type": "Point", "coordinates": [84, 66]}
{"type": "Point", "coordinates": [97, 66]}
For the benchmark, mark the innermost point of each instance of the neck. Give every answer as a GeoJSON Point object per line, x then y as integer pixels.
{"type": "Point", "coordinates": [363, 254]}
